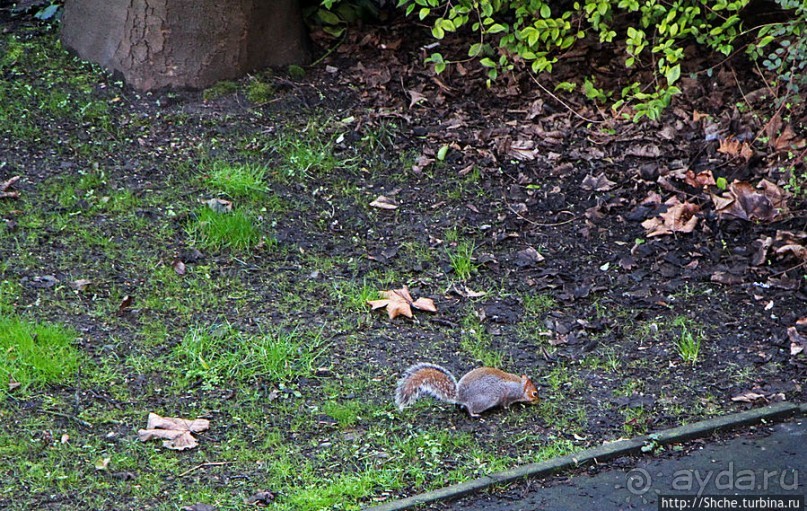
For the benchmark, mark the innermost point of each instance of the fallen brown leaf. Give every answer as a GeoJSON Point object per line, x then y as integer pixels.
{"type": "Point", "coordinates": [679, 217]}
{"type": "Point", "coordinates": [125, 304]}
{"type": "Point", "coordinates": [597, 184]}
{"type": "Point", "coordinates": [80, 284]}
{"type": "Point", "coordinates": [383, 202]}
{"type": "Point", "coordinates": [766, 203]}
{"type": "Point", "coordinates": [5, 185]}
{"type": "Point", "coordinates": [798, 343]}
{"type": "Point", "coordinates": [749, 397]}
{"type": "Point", "coordinates": [262, 498]}
{"type": "Point", "coordinates": [219, 205]}
{"type": "Point", "coordinates": [702, 179]}
{"type": "Point", "coordinates": [787, 141]}
{"type": "Point", "coordinates": [732, 147]}
{"type": "Point", "coordinates": [179, 266]}
{"type": "Point", "coordinates": [416, 98]}
{"type": "Point", "coordinates": [175, 432]}
{"type": "Point", "coordinates": [399, 303]}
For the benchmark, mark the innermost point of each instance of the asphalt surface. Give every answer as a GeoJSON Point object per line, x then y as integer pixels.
{"type": "Point", "coordinates": [752, 469]}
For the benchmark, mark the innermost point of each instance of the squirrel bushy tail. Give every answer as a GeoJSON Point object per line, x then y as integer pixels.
{"type": "Point", "coordinates": [429, 379]}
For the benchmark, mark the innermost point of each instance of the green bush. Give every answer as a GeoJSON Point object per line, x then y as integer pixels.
{"type": "Point", "coordinates": [534, 34]}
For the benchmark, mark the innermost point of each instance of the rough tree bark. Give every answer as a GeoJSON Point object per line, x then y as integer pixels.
{"type": "Point", "coordinates": [184, 43]}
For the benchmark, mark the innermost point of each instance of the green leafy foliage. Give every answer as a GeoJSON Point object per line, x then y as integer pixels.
{"type": "Point", "coordinates": [645, 34]}
{"type": "Point", "coordinates": [782, 49]}
{"type": "Point", "coordinates": [535, 33]}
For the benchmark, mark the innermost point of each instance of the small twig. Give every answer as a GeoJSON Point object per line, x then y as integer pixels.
{"type": "Point", "coordinates": [556, 224]}
{"type": "Point", "coordinates": [69, 417]}
{"type": "Point", "coordinates": [330, 50]}
{"type": "Point", "coordinates": [203, 465]}
{"type": "Point", "coordinates": [556, 98]}
{"type": "Point", "coordinates": [803, 263]}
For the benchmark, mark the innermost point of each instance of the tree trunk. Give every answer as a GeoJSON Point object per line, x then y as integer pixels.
{"type": "Point", "coordinates": [184, 43]}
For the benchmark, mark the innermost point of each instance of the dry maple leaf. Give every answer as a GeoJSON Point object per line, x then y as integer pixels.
{"type": "Point", "coordinates": [175, 432]}
{"type": "Point", "coordinates": [399, 303]}
{"type": "Point", "coordinates": [733, 147]}
{"type": "Point", "coordinates": [766, 203]}
{"type": "Point", "coordinates": [679, 217]}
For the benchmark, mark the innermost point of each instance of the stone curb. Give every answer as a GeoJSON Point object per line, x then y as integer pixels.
{"type": "Point", "coordinates": [601, 453]}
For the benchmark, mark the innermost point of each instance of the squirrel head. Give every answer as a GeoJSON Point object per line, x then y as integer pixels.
{"type": "Point", "coordinates": [530, 391]}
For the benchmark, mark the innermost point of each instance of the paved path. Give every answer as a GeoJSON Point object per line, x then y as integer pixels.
{"type": "Point", "coordinates": [773, 461]}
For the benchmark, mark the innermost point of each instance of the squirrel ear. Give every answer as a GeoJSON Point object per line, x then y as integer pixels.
{"type": "Point", "coordinates": [525, 379]}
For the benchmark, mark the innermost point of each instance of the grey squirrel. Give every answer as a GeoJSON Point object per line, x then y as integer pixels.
{"type": "Point", "coordinates": [480, 389]}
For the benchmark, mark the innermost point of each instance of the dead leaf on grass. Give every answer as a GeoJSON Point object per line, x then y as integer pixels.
{"type": "Point", "coordinates": [219, 205]}
{"type": "Point", "coordinates": [125, 304]}
{"type": "Point", "coordinates": [175, 432]}
{"type": "Point", "coordinates": [399, 302]}
{"type": "Point", "coordinates": [766, 203]}
{"type": "Point", "coordinates": [5, 185]}
{"type": "Point", "coordinates": [383, 202]}
{"type": "Point", "coordinates": [750, 397]}
{"type": "Point", "coordinates": [421, 163]}
{"type": "Point", "coordinates": [261, 498]}
{"type": "Point", "coordinates": [102, 464]}
{"type": "Point", "coordinates": [679, 217]}
{"type": "Point", "coordinates": [179, 266]}
{"type": "Point", "coordinates": [798, 343]}
{"type": "Point", "coordinates": [12, 383]}
{"type": "Point", "coordinates": [597, 184]}
{"type": "Point", "coordinates": [199, 507]}
{"type": "Point", "coordinates": [80, 284]}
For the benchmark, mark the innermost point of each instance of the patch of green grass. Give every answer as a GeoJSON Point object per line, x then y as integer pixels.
{"type": "Point", "coordinates": [353, 295]}
{"type": "Point", "coordinates": [235, 230]}
{"type": "Point", "coordinates": [9, 292]}
{"type": "Point", "coordinates": [220, 354]}
{"type": "Point", "coordinates": [476, 341]}
{"type": "Point", "coordinates": [688, 343]}
{"type": "Point", "coordinates": [237, 180]}
{"type": "Point", "coordinates": [36, 354]}
{"type": "Point", "coordinates": [536, 305]}
{"type": "Point", "coordinates": [220, 89]}
{"type": "Point", "coordinates": [636, 421]}
{"type": "Point", "coordinates": [462, 259]}
{"type": "Point", "coordinates": [346, 413]}
{"type": "Point", "coordinates": [42, 78]}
